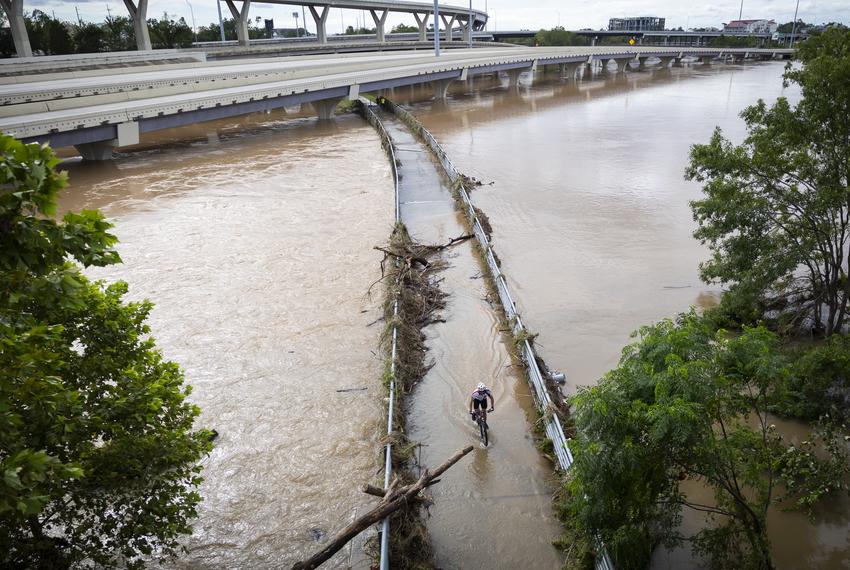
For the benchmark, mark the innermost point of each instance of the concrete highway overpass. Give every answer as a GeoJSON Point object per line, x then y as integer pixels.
{"type": "Point", "coordinates": [98, 109]}
{"type": "Point", "coordinates": [319, 9]}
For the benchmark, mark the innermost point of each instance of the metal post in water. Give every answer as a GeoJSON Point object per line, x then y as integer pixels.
{"type": "Point", "coordinates": [436, 29]}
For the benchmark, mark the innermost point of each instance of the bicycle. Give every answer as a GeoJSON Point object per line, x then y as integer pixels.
{"type": "Point", "coordinates": [478, 417]}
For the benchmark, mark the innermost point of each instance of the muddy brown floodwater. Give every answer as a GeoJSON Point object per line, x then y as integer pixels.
{"type": "Point", "coordinates": [254, 240]}
{"type": "Point", "coordinates": [591, 220]}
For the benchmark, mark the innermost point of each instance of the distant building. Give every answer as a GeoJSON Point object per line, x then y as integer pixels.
{"type": "Point", "coordinates": [639, 24]}
{"type": "Point", "coordinates": [750, 27]}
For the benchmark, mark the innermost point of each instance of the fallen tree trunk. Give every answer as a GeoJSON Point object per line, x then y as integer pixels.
{"type": "Point", "coordinates": [395, 498]}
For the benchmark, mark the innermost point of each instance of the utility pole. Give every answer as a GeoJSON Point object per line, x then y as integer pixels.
{"type": "Point", "coordinates": [741, 11]}
{"type": "Point", "coordinates": [436, 29]}
{"type": "Point", "coordinates": [80, 20]}
{"type": "Point", "coordinates": [304, 19]}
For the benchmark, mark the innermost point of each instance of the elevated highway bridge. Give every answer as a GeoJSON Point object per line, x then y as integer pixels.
{"type": "Point", "coordinates": [98, 110]}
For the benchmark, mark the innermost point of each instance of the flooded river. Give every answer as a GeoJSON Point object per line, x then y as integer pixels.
{"type": "Point", "coordinates": [254, 239]}
{"type": "Point", "coordinates": [255, 242]}
{"type": "Point", "coordinates": [591, 220]}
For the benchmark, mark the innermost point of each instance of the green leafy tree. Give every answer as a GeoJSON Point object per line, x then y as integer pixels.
{"type": "Point", "coordinates": [688, 403]}
{"type": "Point", "coordinates": [97, 449]}
{"type": "Point", "coordinates": [48, 35]}
{"type": "Point", "coordinates": [89, 38]}
{"type": "Point", "coordinates": [168, 32]}
{"type": "Point", "coordinates": [119, 34]}
{"type": "Point", "coordinates": [776, 209]}
{"type": "Point", "coordinates": [558, 36]}
{"type": "Point", "coordinates": [404, 29]}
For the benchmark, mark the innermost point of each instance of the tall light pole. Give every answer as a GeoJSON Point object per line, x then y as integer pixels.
{"type": "Point", "coordinates": [741, 11]}
{"type": "Point", "coordinates": [794, 26]}
{"type": "Point", "coordinates": [436, 29]}
{"type": "Point", "coordinates": [220, 21]}
{"type": "Point", "coordinates": [192, 13]}
{"type": "Point", "coordinates": [469, 24]}
{"type": "Point", "coordinates": [297, 29]}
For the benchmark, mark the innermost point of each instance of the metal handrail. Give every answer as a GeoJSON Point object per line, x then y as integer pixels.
{"type": "Point", "coordinates": [387, 143]}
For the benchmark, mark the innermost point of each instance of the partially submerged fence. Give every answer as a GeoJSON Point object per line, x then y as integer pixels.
{"type": "Point", "coordinates": [387, 143]}
{"type": "Point", "coordinates": [554, 428]}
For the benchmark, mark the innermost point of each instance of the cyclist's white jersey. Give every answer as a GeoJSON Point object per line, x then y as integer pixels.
{"type": "Point", "coordinates": [481, 396]}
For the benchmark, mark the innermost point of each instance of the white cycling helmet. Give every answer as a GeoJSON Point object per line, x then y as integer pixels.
{"type": "Point", "coordinates": [481, 387]}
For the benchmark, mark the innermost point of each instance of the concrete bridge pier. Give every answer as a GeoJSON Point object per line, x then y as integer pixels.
{"type": "Point", "coordinates": [96, 151]}
{"type": "Point", "coordinates": [423, 25]}
{"type": "Point", "coordinates": [379, 23]}
{"type": "Point", "coordinates": [14, 10]}
{"type": "Point", "coordinates": [448, 24]}
{"type": "Point", "coordinates": [467, 30]}
{"type": "Point", "coordinates": [568, 70]}
{"type": "Point", "coordinates": [665, 61]}
{"type": "Point", "coordinates": [321, 22]}
{"type": "Point", "coordinates": [641, 62]}
{"type": "Point", "coordinates": [706, 59]}
{"type": "Point", "coordinates": [623, 65]}
{"type": "Point", "coordinates": [677, 62]}
{"type": "Point", "coordinates": [513, 78]}
{"type": "Point", "coordinates": [325, 108]}
{"type": "Point", "coordinates": [139, 16]}
{"type": "Point", "coordinates": [128, 134]}
{"type": "Point", "coordinates": [441, 89]}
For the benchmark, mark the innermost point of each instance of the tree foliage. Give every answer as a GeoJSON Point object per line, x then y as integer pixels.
{"type": "Point", "coordinates": [404, 29]}
{"type": "Point", "coordinates": [170, 32]}
{"type": "Point", "coordinates": [97, 449]}
{"type": "Point", "coordinates": [776, 209]}
{"type": "Point", "coordinates": [558, 36]}
{"type": "Point", "coordinates": [689, 403]}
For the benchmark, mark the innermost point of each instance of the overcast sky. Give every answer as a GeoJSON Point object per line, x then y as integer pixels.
{"type": "Point", "coordinates": [504, 14]}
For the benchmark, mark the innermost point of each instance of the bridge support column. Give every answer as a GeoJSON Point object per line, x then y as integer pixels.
{"type": "Point", "coordinates": [128, 134]}
{"type": "Point", "coordinates": [706, 59]}
{"type": "Point", "coordinates": [139, 15]}
{"type": "Point", "coordinates": [568, 70]}
{"type": "Point", "coordinates": [448, 24]}
{"type": "Point", "coordinates": [325, 108]}
{"type": "Point", "coordinates": [642, 62]}
{"type": "Point", "coordinates": [441, 89]}
{"type": "Point", "coordinates": [14, 10]}
{"type": "Point", "coordinates": [321, 22]}
{"type": "Point", "coordinates": [665, 62]}
{"type": "Point", "coordinates": [467, 30]}
{"type": "Point", "coordinates": [677, 62]}
{"type": "Point", "coordinates": [96, 151]}
{"type": "Point", "coordinates": [423, 25]}
{"type": "Point", "coordinates": [379, 23]}
{"type": "Point", "coordinates": [623, 65]}
{"type": "Point", "coordinates": [240, 19]}
{"type": "Point", "coordinates": [513, 77]}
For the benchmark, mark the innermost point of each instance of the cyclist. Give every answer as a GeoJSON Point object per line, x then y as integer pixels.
{"type": "Point", "coordinates": [478, 399]}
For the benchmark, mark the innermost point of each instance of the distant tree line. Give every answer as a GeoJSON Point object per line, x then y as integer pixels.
{"type": "Point", "coordinates": [52, 36]}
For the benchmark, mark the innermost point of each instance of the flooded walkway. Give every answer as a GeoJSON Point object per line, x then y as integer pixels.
{"type": "Point", "coordinates": [494, 508]}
